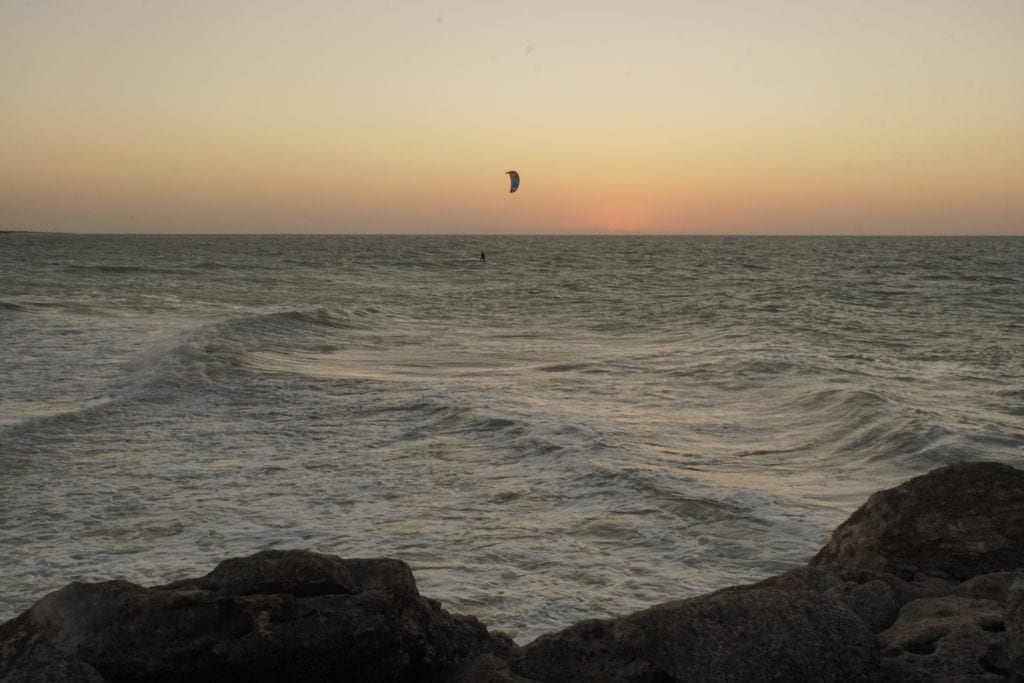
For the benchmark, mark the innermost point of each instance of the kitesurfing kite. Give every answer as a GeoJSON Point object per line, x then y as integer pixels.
{"type": "Point", "coordinates": [514, 177]}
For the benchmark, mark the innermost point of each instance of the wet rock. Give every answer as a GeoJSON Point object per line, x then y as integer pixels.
{"type": "Point", "coordinates": [955, 522]}
{"type": "Point", "coordinates": [755, 633]}
{"type": "Point", "coordinates": [278, 615]}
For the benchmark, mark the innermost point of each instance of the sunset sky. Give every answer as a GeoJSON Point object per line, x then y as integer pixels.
{"type": "Point", "coordinates": [743, 116]}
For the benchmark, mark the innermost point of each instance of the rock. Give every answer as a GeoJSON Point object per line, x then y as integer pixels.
{"type": "Point", "coordinates": [902, 591]}
{"type": "Point", "coordinates": [754, 633]}
{"type": "Point", "coordinates": [874, 602]}
{"type": "Point", "coordinates": [804, 578]}
{"type": "Point", "coordinates": [987, 587]}
{"type": "Point", "coordinates": [277, 615]}
{"type": "Point", "coordinates": [1015, 625]}
{"type": "Point", "coordinates": [304, 574]}
{"type": "Point", "coordinates": [587, 651]}
{"type": "Point", "coordinates": [950, 638]}
{"type": "Point", "coordinates": [955, 522]}
{"type": "Point", "coordinates": [25, 657]}
{"type": "Point", "coordinates": [484, 669]}
{"type": "Point", "coordinates": [872, 599]}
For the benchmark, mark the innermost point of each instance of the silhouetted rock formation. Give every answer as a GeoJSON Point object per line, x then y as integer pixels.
{"type": "Point", "coordinates": [955, 522]}
{"type": "Point", "coordinates": [274, 616]}
{"type": "Point", "coordinates": [920, 584]}
{"type": "Point", "coordinates": [746, 634]}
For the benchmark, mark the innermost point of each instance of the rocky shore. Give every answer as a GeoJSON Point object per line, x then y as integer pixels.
{"type": "Point", "coordinates": [920, 584]}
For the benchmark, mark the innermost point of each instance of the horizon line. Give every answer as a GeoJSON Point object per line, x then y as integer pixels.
{"type": "Point", "coordinates": [601, 233]}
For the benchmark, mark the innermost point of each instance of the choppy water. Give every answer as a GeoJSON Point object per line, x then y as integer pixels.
{"type": "Point", "coordinates": [578, 427]}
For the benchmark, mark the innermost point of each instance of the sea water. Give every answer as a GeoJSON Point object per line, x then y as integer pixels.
{"type": "Point", "coordinates": [576, 427]}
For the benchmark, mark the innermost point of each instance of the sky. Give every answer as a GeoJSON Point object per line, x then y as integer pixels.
{"type": "Point", "coordinates": [324, 116]}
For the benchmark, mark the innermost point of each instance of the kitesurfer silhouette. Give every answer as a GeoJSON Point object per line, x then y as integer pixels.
{"type": "Point", "coordinates": [483, 257]}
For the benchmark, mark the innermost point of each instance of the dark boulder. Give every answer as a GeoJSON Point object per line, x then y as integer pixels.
{"type": "Point", "coordinates": [955, 522]}
{"type": "Point", "coordinates": [277, 615]}
{"type": "Point", "coordinates": [753, 633]}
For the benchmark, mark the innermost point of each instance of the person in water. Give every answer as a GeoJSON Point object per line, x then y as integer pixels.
{"type": "Point", "coordinates": [483, 257]}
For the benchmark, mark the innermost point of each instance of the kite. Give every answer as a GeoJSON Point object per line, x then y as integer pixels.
{"type": "Point", "coordinates": [514, 177]}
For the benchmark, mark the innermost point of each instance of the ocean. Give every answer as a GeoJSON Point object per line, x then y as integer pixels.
{"type": "Point", "coordinates": [576, 427]}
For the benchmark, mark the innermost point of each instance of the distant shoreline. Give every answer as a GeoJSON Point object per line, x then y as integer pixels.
{"type": "Point", "coordinates": [33, 232]}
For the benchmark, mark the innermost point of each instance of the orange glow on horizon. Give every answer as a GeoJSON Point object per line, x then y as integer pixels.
{"type": "Point", "coordinates": [365, 117]}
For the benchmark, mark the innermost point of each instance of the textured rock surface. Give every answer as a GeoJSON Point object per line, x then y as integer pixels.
{"type": "Point", "coordinates": [484, 669]}
{"type": "Point", "coordinates": [956, 522]}
{"type": "Point", "coordinates": [1015, 625]}
{"type": "Point", "coordinates": [27, 658]}
{"type": "Point", "coordinates": [949, 638]}
{"type": "Point", "coordinates": [987, 587]}
{"type": "Point", "coordinates": [756, 633]}
{"type": "Point", "coordinates": [274, 616]}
